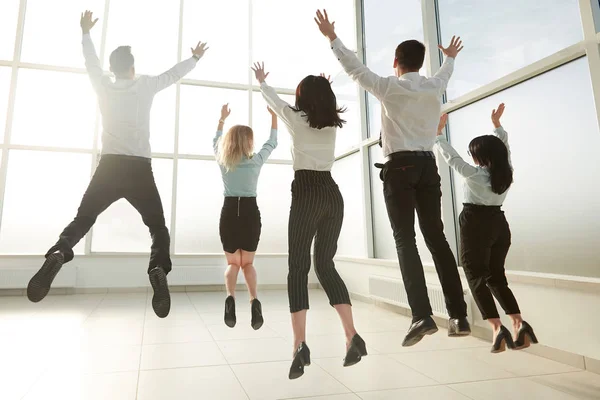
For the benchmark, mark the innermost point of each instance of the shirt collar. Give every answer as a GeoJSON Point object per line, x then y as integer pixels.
{"type": "Point", "coordinates": [411, 76]}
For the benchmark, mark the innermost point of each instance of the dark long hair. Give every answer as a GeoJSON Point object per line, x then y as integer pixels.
{"type": "Point", "coordinates": [490, 152]}
{"type": "Point", "coordinates": [316, 100]}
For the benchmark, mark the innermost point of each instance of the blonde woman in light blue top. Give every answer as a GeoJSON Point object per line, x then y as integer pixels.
{"type": "Point", "coordinates": [240, 224]}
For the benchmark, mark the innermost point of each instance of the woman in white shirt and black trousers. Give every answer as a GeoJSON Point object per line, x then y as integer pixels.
{"type": "Point", "coordinates": [484, 232]}
{"type": "Point", "coordinates": [317, 210]}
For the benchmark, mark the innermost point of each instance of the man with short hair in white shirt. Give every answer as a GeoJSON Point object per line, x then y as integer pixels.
{"type": "Point", "coordinates": [410, 110]}
{"type": "Point", "coordinates": [125, 169]}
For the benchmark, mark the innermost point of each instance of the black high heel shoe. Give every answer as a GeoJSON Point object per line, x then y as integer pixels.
{"type": "Point", "coordinates": [502, 340]}
{"type": "Point", "coordinates": [356, 351]}
{"type": "Point", "coordinates": [301, 360]}
{"type": "Point", "coordinates": [525, 337]}
{"type": "Point", "coordinates": [230, 318]}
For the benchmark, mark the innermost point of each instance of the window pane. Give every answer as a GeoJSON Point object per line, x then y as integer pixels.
{"type": "Point", "coordinates": [5, 73]}
{"type": "Point", "coordinates": [552, 206]}
{"type": "Point", "coordinates": [382, 232]}
{"type": "Point", "coordinates": [120, 227]}
{"type": "Point", "coordinates": [350, 134]}
{"type": "Point", "coordinates": [387, 24]}
{"type": "Point", "coordinates": [199, 202]}
{"type": "Point", "coordinates": [9, 14]}
{"type": "Point", "coordinates": [63, 114]}
{"type": "Point", "coordinates": [227, 59]}
{"type": "Point", "coordinates": [162, 121]}
{"type": "Point", "coordinates": [43, 192]}
{"type": "Point", "coordinates": [52, 33]}
{"type": "Point", "coordinates": [384, 31]}
{"type": "Point", "coordinates": [153, 43]}
{"type": "Point", "coordinates": [274, 198]}
{"type": "Point", "coordinates": [347, 173]}
{"type": "Point", "coordinates": [501, 37]}
{"type": "Point", "coordinates": [290, 56]}
{"type": "Point", "coordinates": [261, 125]}
{"type": "Point", "coordinates": [199, 113]}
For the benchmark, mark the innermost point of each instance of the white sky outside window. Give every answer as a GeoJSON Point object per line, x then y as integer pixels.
{"type": "Point", "coordinates": [199, 114]}
{"type": "Point", "coordinates": [151, 28]}
{"type": "Point", "coordinates": [501, 37]}
{"type": "Point", "coordinates": [199, 202]}
{"type": "Point", "coordinates": [121, 229]}
{"type": "Point", "coordinates": [52, 33]}
{"type": "Point", "coordinates": [9, 10]}
{"type": "Point", "coordinates": [287, 39]}
{"type": "Point", "coordinates": [261, 125]}
{"type": "Point", "coordinates": [224, 26]}
{"type": "Point", "coordinates": [4, 90]}
{"type": "Point", "coordinates": [43, 191]}
{"type": "Point", "coordinates": [55, 109]}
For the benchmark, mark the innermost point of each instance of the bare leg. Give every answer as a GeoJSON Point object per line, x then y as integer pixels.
{"type": "Point", "coordinates": [345, 313]}
{"type": "Point", "coordinates": [299, 327]}
{"type": "Point", "coordinates": [249, 273]}
{"type": "Point", "coordinates": [516, 322]}
{"type": "Point", "coordinates": [496, 324]}
{"type": "Point", "coordinates": [232, 271]}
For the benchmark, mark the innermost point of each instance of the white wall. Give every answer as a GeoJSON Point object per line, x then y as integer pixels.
{"type": "Point", "coordinates": [563, 310]}
{"type": "Point", "coordinates": [130, 271]}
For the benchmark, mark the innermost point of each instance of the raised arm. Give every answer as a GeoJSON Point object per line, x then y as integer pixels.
{"type": "Point", "coordinates": [225, 111]}
{"type": "Point", "coordinates": [355, 69]}
{"type": "Point", "coordinates": [168, 78]}
{"type": "Point", "coordinates": [450, 155]}
{"type": "Point", "coordinates": [442, 76]}
{"type": "Point", "coordinates": [279, 107]}
{"type": "Point", "coordinates": [498, 129]}
{"type": "Point", "coordinates": [92, 62]}
{"type": "Point", "coordinates": [271, 143]}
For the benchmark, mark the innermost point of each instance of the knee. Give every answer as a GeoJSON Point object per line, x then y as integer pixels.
{"type": "Point", "coordinates": [231, 271]}
{"type": "Point", "coordinates": [496, 281]}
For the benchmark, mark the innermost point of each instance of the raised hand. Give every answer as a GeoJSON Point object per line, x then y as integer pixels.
{"type": "Point", "coordinates": [327, 28]}
{"type": "Point", "coordinates": [442, 124]}
{"type": "Point", "coordinates": [225, 111]}
{"type": "Point", "coordinates": [271, 112]}
{"type": "Point", "coordinates": [259, 72]}
{"type": "Point", "coordinates": [328, 77]}
{"type": "Point", "coordinates": [496, 114]}
{"type": "Point", "coordinates": [454, 48]}
{"type": "Point", "coordinates": [87, 22]}
{"type": "Point", "coordinates": [199, 50]}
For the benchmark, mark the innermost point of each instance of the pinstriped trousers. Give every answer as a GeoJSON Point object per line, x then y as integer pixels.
{"type": "Point", "coordinates": [317, 212]}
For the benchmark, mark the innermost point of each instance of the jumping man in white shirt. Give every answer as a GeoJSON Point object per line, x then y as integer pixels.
{"type": "Point", "coordinates": [124, 170]}
{"type": "Point", "coordinates": [410, 113]}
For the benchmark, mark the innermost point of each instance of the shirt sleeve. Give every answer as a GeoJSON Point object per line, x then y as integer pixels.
{"type": "Point", "coordinates": [358, 72]}
{"type": "Point", "coordinates": [453, 159]}
{"type": "Point", "coordinates": [216, 141]}
{"type": "Point", "coordinates": [92, 62]}
{"type": "Point", "coordinates": [280, 107]}
{"type": "Point", "coordinates": [442, 76]}
{"type": "Point", "coordinates": [268, 147]}
{"type": "Point", "coordinates": [168, 78]}
{"type": "Point", "coordinates": [503, 135]}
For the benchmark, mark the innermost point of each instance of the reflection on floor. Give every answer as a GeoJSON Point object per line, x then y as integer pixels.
{"type": "Point", "coordinates": [112, 346]}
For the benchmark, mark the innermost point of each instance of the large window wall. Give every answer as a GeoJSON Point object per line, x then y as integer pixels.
{"type": "Point", "coordinates": [543, 61]}
{"type": "Point", "coordinates": [50, 128]}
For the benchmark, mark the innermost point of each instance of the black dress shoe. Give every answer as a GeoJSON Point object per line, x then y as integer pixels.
{"type": "Point", "coordinates": [39, 285]}
{"type": "Point", "coordinates": [230, 318]}
{"type": "Point", "coordinates": [525, 337]}
{"type": "Point", "coordinates": [418, 329]}
{"type": "Point", "coordinates": [458, 327]}
{"type": "Point", "coordinates": [257, 317]}
{"type": "Point", "coordinates": [502, 340]}
{"type": "Point", "coordinates": [301, 360]}
{"type": "Point", "coordinates": [356, 351]}
{"type": "Point", "coordinates": [161, 301]}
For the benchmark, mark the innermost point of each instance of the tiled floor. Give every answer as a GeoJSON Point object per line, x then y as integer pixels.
{"type": "Point", "coordinates": [112, 346]}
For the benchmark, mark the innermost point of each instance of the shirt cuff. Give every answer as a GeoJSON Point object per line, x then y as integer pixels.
{"type": "Point", "coordinates": [219, 132]}
{"type": "Point", "coordinates": [440, 138]}
{"type": "Point", "coordinates": [264, 84]}
{"type": "Point", "coordinates": [499, 129]}
{"type": "Point", "coordinates": [337, 44]}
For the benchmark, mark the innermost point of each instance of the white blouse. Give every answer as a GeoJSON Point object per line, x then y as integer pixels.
{"type": "Point", "coordinates": [312, 149]}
